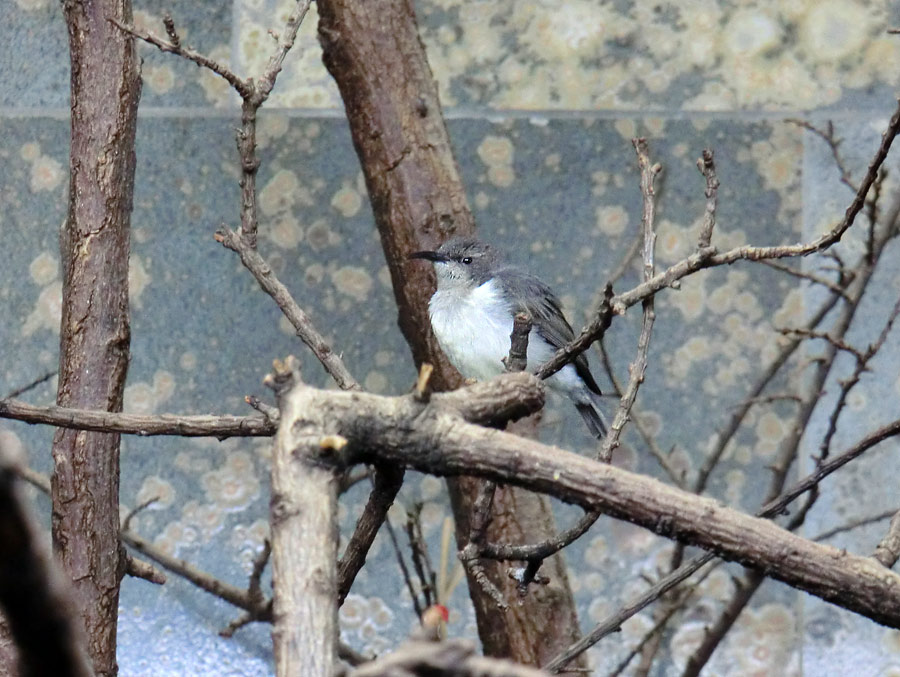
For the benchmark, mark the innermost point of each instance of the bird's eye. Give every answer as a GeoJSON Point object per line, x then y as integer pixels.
{"type": "Point", "coordinates": [467, 260]}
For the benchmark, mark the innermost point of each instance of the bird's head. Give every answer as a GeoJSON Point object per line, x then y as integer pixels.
{"type": "Point", "coordinates": [462, 262]}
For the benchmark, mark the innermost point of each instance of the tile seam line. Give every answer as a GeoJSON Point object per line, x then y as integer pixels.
{"type": "Point", "coordinates": [488, 115]}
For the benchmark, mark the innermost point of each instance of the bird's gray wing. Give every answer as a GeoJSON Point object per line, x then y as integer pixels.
{"type": "Point", "coordinates": [531, 294]}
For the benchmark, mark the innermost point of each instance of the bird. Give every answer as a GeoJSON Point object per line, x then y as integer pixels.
{"type": "Point", "coordinates": [472, 310]}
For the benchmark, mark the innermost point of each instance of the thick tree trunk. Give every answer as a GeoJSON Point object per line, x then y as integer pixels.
{"type": "Point", "coordinates": [373, 51]}
{"type": "Point", "coordinates": [303, 518]}
{"type": "Point", "coordinates": [94, 335]}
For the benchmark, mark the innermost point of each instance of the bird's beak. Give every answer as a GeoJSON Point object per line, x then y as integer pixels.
{"type": "Point", "coordinates": [430, 256]}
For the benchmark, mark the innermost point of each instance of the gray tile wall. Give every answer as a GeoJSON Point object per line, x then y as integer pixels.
{"type": "Point", "coordinates": [542, 100]}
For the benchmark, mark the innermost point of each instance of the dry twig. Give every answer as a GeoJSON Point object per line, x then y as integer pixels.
{"type": "Point", "coordinates": [220, 427]}
{"type": "Point", "coordinates": [649, 173]}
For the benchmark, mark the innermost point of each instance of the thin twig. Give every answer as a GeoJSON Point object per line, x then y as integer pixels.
{"type": "Point", "coordinates": [126, 523]}
{"type": "Point", "coordinates": [266, 410]}
{"type": "Point", "coordinates": [410, 586]}
{"type": "Point", "coordinates": [713, 635]}
{"type": "Point", "coordinates": [638, 368]}
{"type": "Point", "coordinates": [835, 341]}
{"type": "Point", "coordinates": [253, 95]}
{"type": "Point", "coordinates": [663, 458]}
{"type": "Point", "coordinates": [220, 427]}
{"type": "Point", "coordinates": [825, 469]}
{"type": "Point", "coordinates": [734, 422]}
{"type": "Point", "coordinates": [386, 483]}
{"type": "Point", "coordinates": [21, 390]}
{"type": "Point", "coordinates": [175, 47]}
{"type": "Point", "coordinates": [787, 454]}
{"type": "Point", "coordinates": [471, 553]}
{"type": "Point", "coordinates": [833, 143]}
{"type": "Point", "coordinates": [254, 587]}
{"type": "Point", "coordinates": [707, 167]}
{"type": "Point", "coordinates": [301, 322]}
{"type": "Point", "coordinates": [203, 580]}
{"type": "Point", "coordinates": [656, 630]}
{"type": "Point", "coordinates": [836, 287]}
{"type": "Point", "coordinates": [544, 549]}
{"type": "Point", "coordinates": [862, 364]}
{"type": "Point", "coordinates": [613, 623]}
{"type": "Point", "coordinates": [419, 555]}
{"type": "Point", "coordinates": [853, 524]}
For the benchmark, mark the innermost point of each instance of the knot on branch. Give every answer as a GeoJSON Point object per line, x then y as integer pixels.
{"type": "Point", "coordinates": [517, 359]}
{"type": "Point", "coordinates": [284, 376]}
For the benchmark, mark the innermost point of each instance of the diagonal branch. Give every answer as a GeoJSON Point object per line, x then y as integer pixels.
{"type": "Point", "coordinates": [379, 428]}
{"type": "Point", "coordinates": [708, 257]}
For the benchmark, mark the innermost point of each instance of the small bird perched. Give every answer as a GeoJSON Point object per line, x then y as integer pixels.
{"type": "Point", "coordinates": [472, 311]}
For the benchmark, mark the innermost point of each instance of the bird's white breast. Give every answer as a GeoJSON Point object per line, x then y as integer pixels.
{"type": "Point", "coordinates": [473, 327]}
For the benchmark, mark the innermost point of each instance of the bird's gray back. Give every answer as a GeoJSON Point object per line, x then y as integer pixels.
{"type": "Point", "coordinates": [528, 293]}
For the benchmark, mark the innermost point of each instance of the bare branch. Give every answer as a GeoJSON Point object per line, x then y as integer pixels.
{"type": "Point", "coordinates": [303, 518]}
{"type": "Point", "coordinates": [536, 552]}
{"type": "Point", "coordinates": [134, 424]}
{"type": "Point", "coordinates": [734, 422]}
{"type": "Point", "coordinates": [419, 554]}
{"type": "Point", "coordinates": [242, 87]}
{"type": "Point", "coordinates": [862, 364]}
{"type": "Point", "coordinates": [853, 524]}
{"type": "Point", "coordinates": [639, 366]}
{"type": "Point", "coordinates": [404, 570]}
{"type": "Point", "coordinates": [30, 386]}
{"type": "Point", "coordinates": [471, 553]}
{"type": "Point", "coordinates": [708, 257]}
{"type": "Point", "coordinates": [835, 287]}
{"type": "Point", "coordinates": [614, 622]}
{"type": "Point", "coordinates": [713, 635]}
{"type": "Point", "coordinates": [835, 341]}
{"type": "Point", "coordinates": [707, 166]}
{"type": "Point", "coordinates": [386, 483]}
{"type": "Point", "coordinates": [266, 82]}
{"type": "Point", "coordinates": [671, 609]}
{"type": "Point", "coordinates": [454, 657]}
{"type": "Point", "coordinates": [772, 509]}
{"type": "Point", "coordinates": [138, 568]}
{"type": "Point", "coordinates": [450, 446]}
{"type": "Point", "coordinates": [301, 322]}
{"type": "Point", "coordinates": [517, 359]}
{"type": "Point", "coordinates": [203, 580]}
{"type": "Point", "coordinates": [834, 145]}
{"type": "Point", "coordinates": [663, 458]}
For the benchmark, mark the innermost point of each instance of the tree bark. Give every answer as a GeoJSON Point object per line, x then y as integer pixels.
{"type": "Point", "coordinates": [304, 541]}
{"type": "Point", "coordinates": [374, 53]}
{"type": "Point", "coordinates": [436, 439]}
{"type": "Point", "coordinates": [94, 335]}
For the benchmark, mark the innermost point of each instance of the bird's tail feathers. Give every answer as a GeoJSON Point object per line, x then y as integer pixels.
{"type": "Point", "coordinates": [590, 412]}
